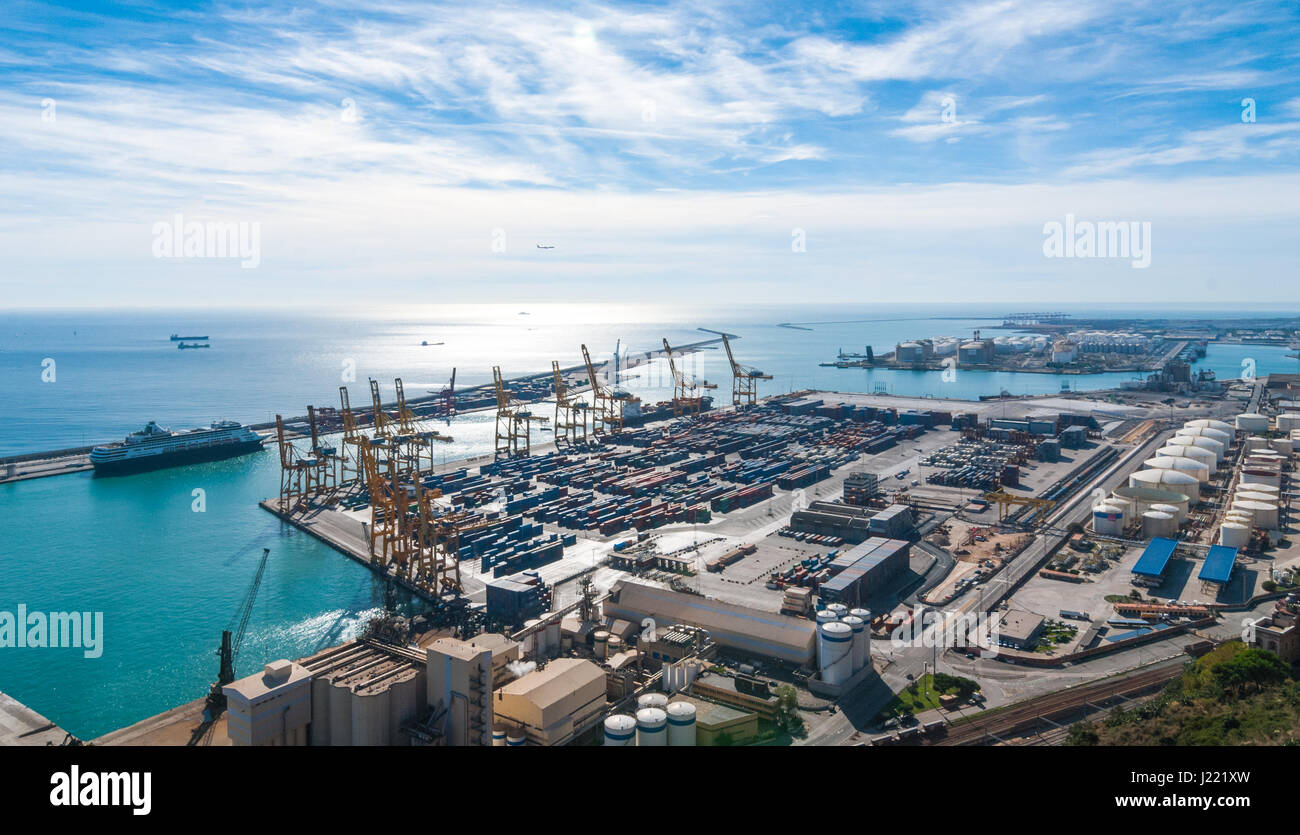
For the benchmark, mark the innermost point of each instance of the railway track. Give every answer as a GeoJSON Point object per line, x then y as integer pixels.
{"type": "Point", "coordinates": [1064, 705]}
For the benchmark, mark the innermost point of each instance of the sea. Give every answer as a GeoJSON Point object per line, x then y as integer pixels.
{"type": "Point", "coordinates": [169, 572]}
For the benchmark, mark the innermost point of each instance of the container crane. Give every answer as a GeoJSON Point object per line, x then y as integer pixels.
{"type": "Point", "coordinates": [297, 472]}
{"type": "Point", "coordinates": [514, 423]}
{"type": "Point", "coordinates": [607, 403]}
{"type": "Point", "coordinates": [350, 467]}
{"type": "Point", "coordinates": [686, 390]}
{"type": "Point", "coordinates": [743, 379]}
{"type": "Point", "coordinates": [570, 411]}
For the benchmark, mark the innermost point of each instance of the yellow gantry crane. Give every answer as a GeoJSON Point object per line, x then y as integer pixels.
{"type": "Point", "coordinates": [327, 455]}
{"type": "Point", "coordinates": [606, 403]}
{"type": "Point", "coordinates": [298, 472]}
{"type": "Point", "coordinates": [350, 466]}
{"type": "Point", "coordinates": [744, 390]}
{"type": "Point", "coordinates": [411, 444]}
{"type": "Point", "coordinates": [1005, 501]}
{"type": "Point", "coordinates": [686, 390]}
{"type": "Point", "coordinates": [570, 412]}
{"type": "Point", "coordinates": [514, 422]}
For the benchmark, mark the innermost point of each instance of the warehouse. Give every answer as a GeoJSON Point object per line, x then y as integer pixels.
{"type": "Point", "coordinates": [863, 569]}
{"type": "Point", "coordinates": [553, 705]}
{"type": "Point", "coordinates": [737, 628]}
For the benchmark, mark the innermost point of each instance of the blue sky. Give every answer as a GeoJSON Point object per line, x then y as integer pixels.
{"type": "Point", "coordinates": [661, 148]}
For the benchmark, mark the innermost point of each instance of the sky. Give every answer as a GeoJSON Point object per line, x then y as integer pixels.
{"type": "Point", "coordinates": [421, 152]}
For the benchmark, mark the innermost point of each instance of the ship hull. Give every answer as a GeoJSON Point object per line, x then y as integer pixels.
{"type": "Point", "coordinates": [179, 458]}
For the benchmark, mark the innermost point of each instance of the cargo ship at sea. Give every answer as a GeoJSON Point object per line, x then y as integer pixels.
{"type": "Point", "coordinates": [155, 447]}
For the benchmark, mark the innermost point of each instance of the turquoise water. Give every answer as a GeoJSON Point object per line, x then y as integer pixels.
{"type": "Point", "coordinates": [168, 580]}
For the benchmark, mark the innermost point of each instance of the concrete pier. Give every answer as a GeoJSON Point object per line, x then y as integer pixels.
{"type": "Point", "coordinates": [20, 725]}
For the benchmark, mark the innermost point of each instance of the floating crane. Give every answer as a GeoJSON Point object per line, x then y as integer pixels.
{"type": "Point", "coordinates": [570, 412]}
{"type": "Point", "coordinates": [686, 390]}
{"type": "Point", "coordinates": [743, 379]}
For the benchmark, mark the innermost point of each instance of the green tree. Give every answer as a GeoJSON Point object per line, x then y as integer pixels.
{"type": "Point", "coordinates": [1250, 671]}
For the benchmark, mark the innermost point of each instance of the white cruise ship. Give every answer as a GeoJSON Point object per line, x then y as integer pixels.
{"type": "Point", "coordinates": [155, 447]}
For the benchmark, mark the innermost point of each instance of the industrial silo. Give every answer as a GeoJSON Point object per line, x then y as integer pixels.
{"type": "Point", "coordinates": [1252, 422]}
{"type": "Point", "coordinates": [1234, 535]}
{"type": "Point", "coordinates": [531, 647]}
{"type": "Point", "coordinates": [651, 727]}
{"type": "Point", "coordinates": [1179, 462]}
{"type": "Point", "coordinates": [839, 609]}
{"type": "Point", "coordinates": [1108, 520]}
{"type": "Point", "coordinates": [620, 729]}
{"type": "Point", "coordinates": [613, 646]}
{"type": "Point", "coordinates": [826, 615]}
{"type": "Point", "coordinates": [600, 641]}
{"type": "Point", "coordinates": [681, 724]}
{"type": "Point", "coordinates": [340, 711]}
{"type": "Point", "coordinates": [835, 651]}
{"type": "Point", "coordinates": [859, 640]}
{"type": "Point", "coordinates": [1158, 524]}
{"type": "Point", "coordinates": [516, 739]}
{"type": "Point", "coordinates": [499, 738]}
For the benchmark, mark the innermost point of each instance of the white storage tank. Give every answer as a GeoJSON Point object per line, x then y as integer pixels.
{"type": "Point", "coordinates": [613, 646]}
{"type": "Point", "coordinates": [1264, 514]}
{"type": "Point", "coordinates": [1108, 520]}
{"type": "Point", "coordinates": [1234, 535]}
{"type": "Point", "coordinates": [651, 727]}
{"type": "Point", "coordinates": [553, 635]}
{"type": "Point", "coordinates": [1261, 476]}
{"type": "Point", "coordinates": [1282, 446]}
{"type": "Point", "coordinates": [1252, 422]}
{"type": "Point", "coordinates": [1195, 453]}
{"type": "Point", "coordinates": [516, 740]}
{"type": "Point", "coordinates": [681, 724]}
{"type": "Point", "coordinates": [859, 640]}
{"type": "Point", "coordinates": [839, 609]}
{"type": "Point", "coordinates": [826, 615]}
{"type": "Point", "coordinates": [532, 641]}
{"type": "Point", "coordinates": [1204, 443]}
{"type": "Point", "coordinates": [1213, 424]}
{"type": "Point", "coordinates": [1256, 444]}
{"type": "Point", "coordinates": [1172, 510]}
{"type": "Point", "coordinates": [499, 738]}
{"type": "Point", "coordinates": [1222, 436]}
{"type": "Point", "coordinates": [1288, 421]}
{"type": "Point", "coordinates": [1155, 523]}
{"type": "Point", "coordinates": [658, 700]}
{"type": "Point", "coordinates": [600, 643]}
{"type": "Point", "coordinates": [1139, 499]}
{"type": "Point", "coordinates": [620, 729]}
{"type": "Point", "coordinates": [1179, 462]}
{"type": "Point", "coordinates": [1245, 494]}
{"type": "Point", "coordinates": [1179, 482]}
{"type": "Point", "coordinates": [835, 652]}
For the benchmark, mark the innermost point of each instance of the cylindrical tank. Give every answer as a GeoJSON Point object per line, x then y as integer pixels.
{"type": "Point", "coordinates": [1220, 435]}
{"type": "Point", "coordinates": [1203, 442]}
{"type": "Point", "coordinates": [1288, 421]}
{"type": "Point", "coordinates": [865, 614]}
{"type": "Point", "coordinates": [826, 615]}
{"type": "Point", "coordinates": [1253, 444]}
{"type": "Point", "coordinates": [1245, 494]}
{"type": "Point", "coordinates": [370, 717]}
{"type": "Point", "coordinates": [681, 724]}
{"type": "Point", "coordinates": [532, 645]}
{"type": "Point", "coordinates": [1264, 514]}
{"type": "Point", "coordinates": [839, 609]}
{"type": "Point", "coordinates": [620, 729]}
{"type": "Point", "coordinates": [1271, 479]}
{"type": "Point", "coordinates": [1172, 510]}
{"type": "Point", "coordinates": [600, 643]}
{"type": "Point", "coordinates": [1108, 520]}
{"type": "Point", "coordinates": [1252, 422]}
{"type": "Point", "coordinates": [1155, 523]}
{"type": "Point", "coordinates": [613, 646]}
{"type": "Point", "coordinates": [1181, 463]}
{"type": "Point", "coordinates": [1213, 424]}
{"type": "Point", "coordinates": [1283, 446]}
{"type": "Point", "coordinates": [859, 628]}
{"type": "Point", "coordinates": [1196, 453]}
{"type": "Point", "coordinates": [340, 713]}
{"type": "Point", "coordinates": [651, 727]}
{"type": "Point", "coordinates": [1234, 535]}
{"type": "Point", "coordinates": [1167, 480]}
{"type": "Point", "coordinates": [516, 741]}
{"type": "Point", "coordinates": [835, 651]}
{"type": "Point", "coordinates": [658, 700]}
{"type": "Point", "coordinates": [499, 739]}
{"type": "Point", "coordinates": [553, 636]}
{"type": "Point", "coordinates": [1271, 489]}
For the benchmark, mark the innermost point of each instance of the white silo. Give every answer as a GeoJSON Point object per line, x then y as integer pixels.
{"type": "Point", "coordinates": [1283, 446]}
{"type": "Point", "coordinates": [1179, 482]}
{"type": "Point", "coordinates": [839, 609]}
{"type": "Point", "coordinates": [681, 724]}
{"type": "Point", "coordinates": [600, 643]}
{"type": "Point", "coordinates": [1155, 523]}
{"type": "Point", "coordinates": [531, 645]}
{"type": "Point", "coordinates": [859, 640]}
{"type": "Point", "coordinates": [826, 615]}
{"type": "Point", "coordinates": [658, 700]}
{"type": "Point", "coordinates": [1204, 443]}
{"type": "Point", "coordinates": [1252, 422]}
{"type": "Point", "coordinates": [835, 651]}
{"type": "Point", "coordinates": [499, 738]}
{"type": "Point", "coordinates": [651, 727]}
{"type": "Point", "coordinates": [1213, 424]}
{"type": "Point", "coordinates": [1179, 462]}
{"type": "Point", "coordinates": [1234, 535]}
{"type": "Point", "coordinates": [1264, 513]}
{"type": "Point", "coordinates": [620, 729]}
{"type": "Point", "coordinates": [1196, 453]}
{"type": "Point", "coordinates": [1172, 510]}
{"type": "Point", "coordinates": [516, 740]}
{"type": "Point", "coordinates": [554, 636]}
{"type": "Point", "coordinates": [1288, 421]}
{"type": "Point", "coordinates": [1256, 444]}
{"type": "Point", "coordinates": [613, 646]}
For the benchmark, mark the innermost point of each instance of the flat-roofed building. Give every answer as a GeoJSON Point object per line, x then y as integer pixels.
{"type": "Point", "coordinates": [460, 689]}
{"type": "Point", "coordinates": [272, 707]}
{"type": "Point", "coordinates": [738, 628]}
{"type": "Point", "coordinates": [737, 691]}
{"type": "Point", "coordinates": [717, 724]}
{"type": "Point", "coordinates": [1019, 629]}
{"type": "Point", "coordinates": [553, 705]}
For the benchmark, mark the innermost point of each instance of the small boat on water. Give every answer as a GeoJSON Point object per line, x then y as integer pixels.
{"type": "Point", "coordinates": [182, 346]}
{"type": "Point", "coordinates": [177, 338]}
